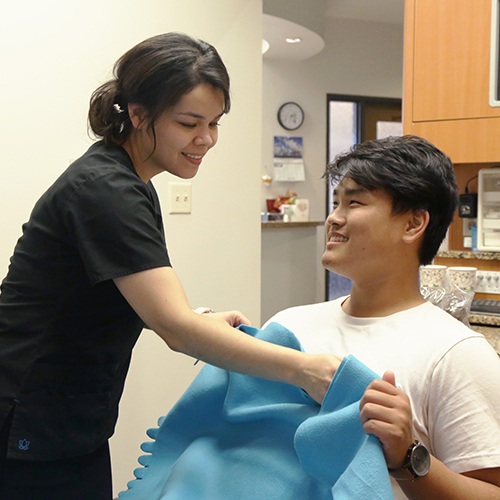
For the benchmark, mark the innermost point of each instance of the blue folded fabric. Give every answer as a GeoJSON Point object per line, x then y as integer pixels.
{"type": "Point", "coordinates": [233, 436]}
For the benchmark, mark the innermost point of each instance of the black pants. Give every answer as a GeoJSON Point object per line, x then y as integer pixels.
{"type": "Point", "coordinates": [81, 478]}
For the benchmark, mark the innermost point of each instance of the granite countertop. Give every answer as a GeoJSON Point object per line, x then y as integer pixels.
{"type": "Point", "coordinates": [465, 254]}
{"type": "Point", "coordinates": [489, 326]}
{"type": "Point", "coordinates": [490, 320]}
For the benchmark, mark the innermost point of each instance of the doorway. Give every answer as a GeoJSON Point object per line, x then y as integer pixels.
{"type": "Point", "coordinates": [354, 119]}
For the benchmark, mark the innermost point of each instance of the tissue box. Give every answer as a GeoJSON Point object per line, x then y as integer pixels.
{"type": "Point", "coordinates": [298, 212]}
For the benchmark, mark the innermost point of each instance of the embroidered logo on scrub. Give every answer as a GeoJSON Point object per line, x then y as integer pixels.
{"type": "Point", "coordinates": [24, 444]}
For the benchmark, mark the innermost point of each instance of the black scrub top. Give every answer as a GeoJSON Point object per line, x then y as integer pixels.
{"type": "Point", "coordinates": [66, 332]}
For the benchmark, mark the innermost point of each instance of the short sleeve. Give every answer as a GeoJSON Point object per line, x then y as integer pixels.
{"type": "Point", "coordinates": [115, 221]}
{"type": "Point", "coordinates": [464, 411]}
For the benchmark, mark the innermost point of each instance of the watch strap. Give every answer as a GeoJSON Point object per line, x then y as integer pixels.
{"type": "Point", "coordinates": [403, 474]}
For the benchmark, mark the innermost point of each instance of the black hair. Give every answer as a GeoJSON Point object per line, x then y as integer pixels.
{"type": "Point", "coordinates": [413, 172]}
{"type": "Point", "coordinates": [155, 74]}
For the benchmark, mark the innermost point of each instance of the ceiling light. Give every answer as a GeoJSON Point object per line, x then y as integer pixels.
{"type": "Point", "coordinates": [295, 39]}
{"type": "Point", "coordinates": [265, 45]}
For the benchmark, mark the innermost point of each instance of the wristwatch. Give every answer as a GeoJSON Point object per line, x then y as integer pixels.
{"type": "Point", "coordinates": [417, 463]}
{"type": "Point", "coordinates": [204, 310]}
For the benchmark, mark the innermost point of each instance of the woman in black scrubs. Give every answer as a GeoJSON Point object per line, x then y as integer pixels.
{"type": "Point", "coordinates": [92, 269]}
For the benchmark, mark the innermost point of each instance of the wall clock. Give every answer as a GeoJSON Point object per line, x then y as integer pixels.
{"type": "Point", "coordinates": [290, 116]}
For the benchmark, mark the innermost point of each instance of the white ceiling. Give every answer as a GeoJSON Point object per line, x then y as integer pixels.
{"type": "Point", "coordinates": [380, 11]}
{"type": "Point", "coordinates": [276, 29]}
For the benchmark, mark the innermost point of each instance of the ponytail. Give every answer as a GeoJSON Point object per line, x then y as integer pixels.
{"type": "Point", "coordinates": [108, 115]}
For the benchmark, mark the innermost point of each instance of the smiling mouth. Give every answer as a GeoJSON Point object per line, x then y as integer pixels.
{"type": "Point", "coordinates": [194, 157]}
{"type": "Point", "coordinates": [337, 239]}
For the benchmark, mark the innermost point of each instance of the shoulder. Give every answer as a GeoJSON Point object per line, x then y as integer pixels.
{"type": "Point", "coordinates": [314, 325]}
{"type": "Point", "coordinates": [102, 176]}
{"type": "Point", "coordinates": [102, 163]}
{"type": "Point", "coordinates": [441, 351]}
{"type": "Point", "coordinates": [308, 314]}
{"type": "Point", "coordinates": [435, 324]}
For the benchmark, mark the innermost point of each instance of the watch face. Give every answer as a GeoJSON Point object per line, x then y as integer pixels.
{"type": "Point", "coordinates": [290, 116]}
{"type": "Point", "coordinates": [420, 460]}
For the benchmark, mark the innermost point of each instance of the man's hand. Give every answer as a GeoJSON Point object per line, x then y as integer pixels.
{"type": "Point", "coordinates": [386, 413]}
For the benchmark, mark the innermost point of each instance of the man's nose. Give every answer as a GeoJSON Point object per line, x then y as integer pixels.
{"type": "Point", "coordinates": [336, 216]}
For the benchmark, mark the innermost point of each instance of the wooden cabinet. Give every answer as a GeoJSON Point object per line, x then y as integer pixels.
{"type": "Point", "coordinates": [447, 78]}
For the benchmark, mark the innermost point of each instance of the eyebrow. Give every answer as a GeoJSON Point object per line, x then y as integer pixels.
{"type": "Point", "coordinates": [196, 115]}
{"type": "Point", "coordinates": [352, 191]}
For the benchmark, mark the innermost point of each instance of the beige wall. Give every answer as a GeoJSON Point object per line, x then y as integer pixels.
{"type": "Point", "coordinates": [53, 54]}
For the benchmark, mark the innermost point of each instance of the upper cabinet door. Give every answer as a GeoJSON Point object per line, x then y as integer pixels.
{"type": "Point", "coordinates": [446, 95]}
{"type": "Point", "coordinates": [451, 59]}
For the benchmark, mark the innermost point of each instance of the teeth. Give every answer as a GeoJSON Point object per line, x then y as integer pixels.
{"type": "Point", "coordinates": [196, 157]}
{"type": "Point", "coordinates": [338, 239]}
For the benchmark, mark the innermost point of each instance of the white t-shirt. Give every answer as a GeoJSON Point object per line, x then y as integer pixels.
{"type": "Point", "coordinates": [450, 373]}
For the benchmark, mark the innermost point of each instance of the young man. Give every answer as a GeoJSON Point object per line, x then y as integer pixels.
{"type": "Point", "coordinates": [436, 409]}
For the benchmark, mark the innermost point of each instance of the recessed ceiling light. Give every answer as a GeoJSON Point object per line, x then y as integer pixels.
{"type": "Point", "coordinates": [295, 39]}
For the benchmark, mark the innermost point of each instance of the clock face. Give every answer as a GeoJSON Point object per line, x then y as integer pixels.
{"type": "Point", "coordinates": [290, 115]}
{"type": "Point", "coordinates": [420, 460]}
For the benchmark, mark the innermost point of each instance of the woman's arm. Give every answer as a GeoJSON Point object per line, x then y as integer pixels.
{"type": "Point", "coordinates": [159, 299]}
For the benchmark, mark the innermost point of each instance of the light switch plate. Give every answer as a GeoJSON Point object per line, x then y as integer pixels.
{"type": "Point", "coordinates": [180, 197]}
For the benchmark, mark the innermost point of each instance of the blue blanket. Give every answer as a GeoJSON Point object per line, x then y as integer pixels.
{"type": "Point", "coordinates": [232, 436]}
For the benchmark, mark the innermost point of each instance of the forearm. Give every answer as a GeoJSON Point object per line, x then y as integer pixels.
{"type": "Point", "coordinates": [217, 343]}
{"type": "Point", "coordinates": [158, 298]}
{"type": "Point", "coordinates": [443, 483]}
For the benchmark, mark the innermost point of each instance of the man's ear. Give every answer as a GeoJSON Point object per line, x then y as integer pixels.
{"type": "Point", "coordinates": [138, 115]}
{"type": "Point", "coordinates": [417, 223]}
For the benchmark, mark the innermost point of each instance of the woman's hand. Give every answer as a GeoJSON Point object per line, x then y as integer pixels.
{"type": "Point", "coordinates": [317, 373]}
{"type": "Point", "coordinates": [318, 369]}
{"type": "Point", "coordinates": [386, 412]}
{"type": "Point", "coordinates": [232, 318]}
